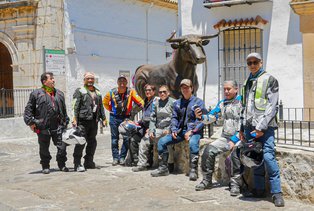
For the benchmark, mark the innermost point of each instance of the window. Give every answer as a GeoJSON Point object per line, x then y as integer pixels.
{"type": "Point", "coordinates": [234, 45]}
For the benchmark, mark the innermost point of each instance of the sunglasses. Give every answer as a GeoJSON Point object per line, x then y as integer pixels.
{"type": "Point", "coordinates": [160, 92]}
{"type": "Point", "coordinates": [254, 62]}
{"type": "Point", "coordinates": [148, 90]}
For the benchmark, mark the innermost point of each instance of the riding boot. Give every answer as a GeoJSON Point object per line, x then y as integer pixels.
{"type": "Point", "coordinates": [193, 167]}
{"type": "Point", "coordinates": [208, 166]}
{"type": "Point", "coordinates": [163, 167]}
{"type": "Point", "coordinates": [206, 183]}
{"type": "Point", "coordinates": [236, 181]}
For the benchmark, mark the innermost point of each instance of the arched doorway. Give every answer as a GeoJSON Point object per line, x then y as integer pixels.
{"type": "Point", "coordinates": [6, 82]}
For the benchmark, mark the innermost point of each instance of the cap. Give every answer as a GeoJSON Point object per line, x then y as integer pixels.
{"type": "Point", "coordinates": [254, 55]}
{"type": "Point", "coordinates": [186, 82]}
{"type": "Point", "coordinates": [122, 76]}
{"type": "Point", "coordinates": [89, 75]}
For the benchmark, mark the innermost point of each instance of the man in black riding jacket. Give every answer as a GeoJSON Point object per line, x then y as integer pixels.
{"type": "Point", "coordinates": [88, 111]}
{"type": "Point", "coordinates": [45, 113]}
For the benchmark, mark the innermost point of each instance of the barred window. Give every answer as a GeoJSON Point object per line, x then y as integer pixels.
{"type": "Point", "coordinates": [234, 45]}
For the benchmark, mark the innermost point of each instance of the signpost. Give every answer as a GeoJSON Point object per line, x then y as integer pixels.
{"type": "Point", "coordinates": [54, 61]}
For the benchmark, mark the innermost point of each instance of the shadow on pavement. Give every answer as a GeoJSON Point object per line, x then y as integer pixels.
{"type": "Point", "coordinates": [39, 172]}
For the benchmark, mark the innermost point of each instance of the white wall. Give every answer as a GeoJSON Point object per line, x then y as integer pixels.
{"type": "Point", "coordinates": [285, 54]}
{"type": "Point", "coordinates": [110, 35]}
{"type": "Point", "coordinates": [283, 44]}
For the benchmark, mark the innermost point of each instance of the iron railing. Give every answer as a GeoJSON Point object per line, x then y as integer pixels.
{"type": "Point", "coordinates": [296, 126]}
{"type": "Point", "coordinates": [297, 133]}
{"type": "Point", "coordinates": [13, 102]}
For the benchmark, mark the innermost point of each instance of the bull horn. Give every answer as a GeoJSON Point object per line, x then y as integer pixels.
{"type": "Point", "coordinates": [206, 37]}
{"type": "Point", "coordinates": [171, 39]}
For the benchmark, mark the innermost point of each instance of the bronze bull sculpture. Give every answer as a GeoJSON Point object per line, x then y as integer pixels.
{"type": "Point", "coordinates": [188, 53]}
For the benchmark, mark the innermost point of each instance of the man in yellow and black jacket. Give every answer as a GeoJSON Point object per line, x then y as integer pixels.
{"type": "Point", "coordinates": [119, 102]}
{"type": "Point", "coordinates": [88, 111]}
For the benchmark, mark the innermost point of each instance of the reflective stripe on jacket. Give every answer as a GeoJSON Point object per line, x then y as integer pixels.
{"type": "Point", "coordinates": [230, 113]}
{"type": "Point", "coordinates": [160, 117]}
{"type": "Point", "coordinates": [83, 105]}
{"type": "Point", "coordinates": [260, 101]}
{"type": "Point", "coordinates": [124, 107]}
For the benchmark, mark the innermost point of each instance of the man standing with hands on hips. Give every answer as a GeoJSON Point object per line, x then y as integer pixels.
{"type": "Point", "coordinates": [88, 111]}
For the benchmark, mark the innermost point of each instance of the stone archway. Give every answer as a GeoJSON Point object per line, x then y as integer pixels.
{"type": "Point", "coordinates": [6, 82]}
{"type": "Point", "coordinates": [6, 71]}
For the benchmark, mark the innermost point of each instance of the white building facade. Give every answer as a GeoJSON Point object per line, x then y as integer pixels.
{"type": "Point", "coordinates": [268, 27]}
{"type": "Point", "coordinates": [109, 37]}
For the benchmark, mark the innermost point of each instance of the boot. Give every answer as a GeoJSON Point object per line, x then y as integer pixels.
{"type": "Point", "coordinates": [235, 184]}
{"type": "Point", "coordinates": [278, 200]}
{"type": "Point", "coordinates": [234, 190]}
{"type": "Point", "coordinates": [193, 167]}
{"type": "Point", "coordinates": [163, 168]}
{"type": "Point", "coordinates": [255, 193]}
{"type": "Point", "coordinates": [171, 167]}
{"type": "Point", "coordinates": [139, 168]}
{"type": "Point", "coordinates": [206, 183]}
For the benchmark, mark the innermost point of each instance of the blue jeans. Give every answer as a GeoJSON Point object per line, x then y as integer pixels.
{"type": "Point", "coordinates": [167, 140]}
{"type": "Point", "coordinates": [270, 162]}
{"type": "Point", "coordinates": [114, 125]}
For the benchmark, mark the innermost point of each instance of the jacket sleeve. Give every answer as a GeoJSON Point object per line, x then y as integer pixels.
{"type": "Point", "coordinates": [29, 112]}
{"type": "Point", "coordinates": [174, 119]}
{"type": "Point", "coordinates": [236, 137]}
{"type": "Point", "coordinates": [107, 102]}
{"type": "Point", "coordinates": [102, 110]}
{"type": "Point", "coordinates": [272, 96]}
{"type": "Point", "coordinates": [212, 115]}
{"type": "Point", "coordinates": [137, 99]}
{"type": "Point", "coordinates": [64, 111]}
{"type": "Point", "coordinates": [77, 97]}
{"type": "Point", "coordinates": [196, 125]}
{"type": "Point", "coordinates": [168, 119]}
{"type": "Point", "coordinates": [153, 116]}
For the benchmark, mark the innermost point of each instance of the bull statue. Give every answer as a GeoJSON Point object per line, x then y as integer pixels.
{"type": "Point", "coordinates": [188, 53]}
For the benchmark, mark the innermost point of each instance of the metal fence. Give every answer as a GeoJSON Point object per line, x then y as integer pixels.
{"type": "Point", "coordinates": [296, 126]}
{"type": "Point", "coordinates": [13, 102]}
{"type": "Point", "coordinates": [298, 133]}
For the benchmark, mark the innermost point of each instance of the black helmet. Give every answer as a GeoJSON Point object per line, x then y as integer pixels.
{"type": "Point", "coordinates": [128, 128]}
{"type": "Point", "coordinates": [251, 154]}
{"type": "Point", "coordinates": [79, 131]}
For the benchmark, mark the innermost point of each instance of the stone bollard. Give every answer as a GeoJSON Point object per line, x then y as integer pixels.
{"type": "Point", "coordinates": [180, 155]}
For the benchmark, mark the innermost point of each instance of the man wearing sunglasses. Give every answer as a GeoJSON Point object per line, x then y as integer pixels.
{"type": "Point", "coordinates": [260, 93]}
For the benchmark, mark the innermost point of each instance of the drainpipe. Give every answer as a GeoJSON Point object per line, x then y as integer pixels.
{"type": "Point", "coordinates": [147, 15]}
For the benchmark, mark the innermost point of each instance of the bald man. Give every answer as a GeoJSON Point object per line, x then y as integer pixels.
{"type": "Point", "coordinates": [88, 111]}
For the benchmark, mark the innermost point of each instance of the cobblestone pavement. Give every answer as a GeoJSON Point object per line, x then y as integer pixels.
{"type": "Point", "coordinates": [23, 187]}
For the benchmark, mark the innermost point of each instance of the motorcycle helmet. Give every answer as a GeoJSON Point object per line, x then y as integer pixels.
{"type": "Point", "coordinates": [128, 128]}
{"type": "Point", "coordinates": [74, 136]}
{"type": "Point", "coordinates": [251, 154]}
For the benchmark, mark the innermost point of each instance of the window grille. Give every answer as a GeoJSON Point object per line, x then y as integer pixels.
{"type": "Point", "coordinates": [234, 45]}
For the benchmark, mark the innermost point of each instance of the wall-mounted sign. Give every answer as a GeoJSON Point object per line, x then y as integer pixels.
{"type": "Point", "coordinates": [55, 61]}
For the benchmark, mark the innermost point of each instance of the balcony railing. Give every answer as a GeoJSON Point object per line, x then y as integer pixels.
{"type": "Point", "coordinates": [220, 3]}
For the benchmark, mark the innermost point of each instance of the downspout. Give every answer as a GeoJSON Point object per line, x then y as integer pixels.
{"type": "Point", "coordinates": [147, 16]}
